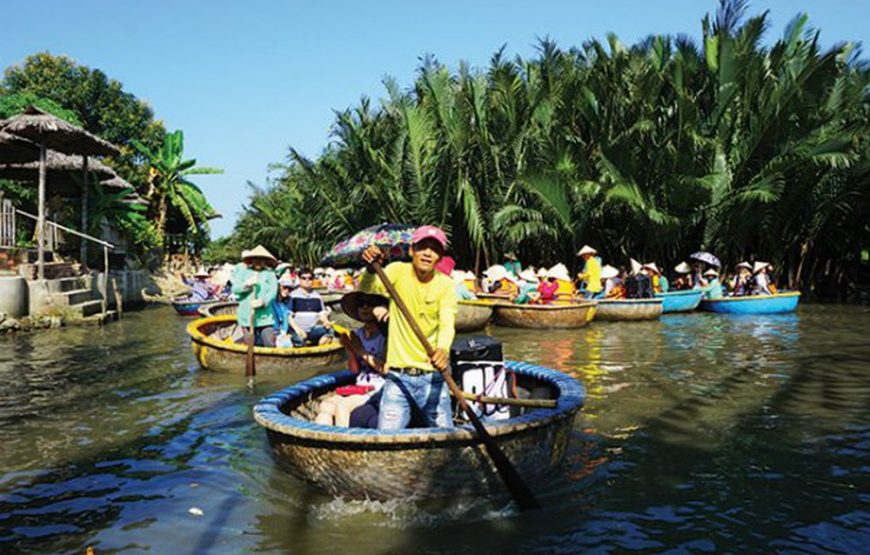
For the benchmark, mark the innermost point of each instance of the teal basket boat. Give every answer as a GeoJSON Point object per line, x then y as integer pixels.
{"type": "Point", "coordinates": [755, 304]}
{"type": "Point", "coordinates": [680, 301]}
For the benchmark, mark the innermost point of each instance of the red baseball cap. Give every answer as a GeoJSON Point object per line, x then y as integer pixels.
{"type": "Point", "coordinates": [430, 232]}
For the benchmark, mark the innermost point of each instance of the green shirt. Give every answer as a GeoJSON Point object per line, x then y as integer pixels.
{"type": "Point", "coordinates": [265, 290]}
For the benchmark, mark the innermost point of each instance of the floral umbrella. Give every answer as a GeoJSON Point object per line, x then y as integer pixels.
{"type": "Point", "coordinates": [707, 258]}
{"type": "Point", "coordinates": [393, 239]}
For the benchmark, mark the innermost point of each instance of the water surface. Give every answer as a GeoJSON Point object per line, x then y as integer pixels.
{"type": "Point", "coordinates": [701, 433]}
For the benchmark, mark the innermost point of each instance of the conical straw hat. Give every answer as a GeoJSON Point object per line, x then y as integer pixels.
{"type": "Point", "coordinates": [759, 266]}
{"type": "Point", "coordinates": [682, 268]}
{"type": "Point", "coordinates": [609, 272]}
{"type": "Point", "coordinates": [260, 252]}
{"type": "Point", "coordinates": [652, 266]}
{"type": "Point", "coordinates": [586, 250]}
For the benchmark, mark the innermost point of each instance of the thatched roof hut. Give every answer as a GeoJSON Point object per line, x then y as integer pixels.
{"type": "Point", "coordinates": [61, 169]}
{"type": "Point", "coordinates": [17, 150]}
{"type": "Point", "coordinates": [56, 134]}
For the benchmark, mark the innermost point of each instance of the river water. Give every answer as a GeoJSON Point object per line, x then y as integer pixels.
{"type": "Point", "coordinates": [701, 433]}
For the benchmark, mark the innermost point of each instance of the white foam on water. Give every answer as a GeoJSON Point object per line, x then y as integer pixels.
{"type": "Point", "coordinates": [411, 513]}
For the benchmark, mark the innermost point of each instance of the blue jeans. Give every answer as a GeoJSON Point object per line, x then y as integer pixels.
{"type": "Point", "coordinates": [312, 336]}
{"type": "Point", "coordinates": [403, 395]}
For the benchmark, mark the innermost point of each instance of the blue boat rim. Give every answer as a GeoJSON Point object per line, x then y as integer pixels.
{"type": "Point", "coordinates": [267, 413]}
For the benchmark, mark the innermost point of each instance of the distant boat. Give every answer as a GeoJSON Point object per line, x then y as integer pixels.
{"type": "Point", "coordinates": [361, 463]}
{"type": "Point", "coordinates": [628, 309]}
{"type": "Point", "coordinates": [754, 304]}
{"type": "Point", "coordinates": [545, 316]}
{"type": "Point", "coordinates": [473, 315]}
{"type": "Point", "coordinates": [186, 307]}
{"type": "Point", "coordinates": [681, 301]}
{"type": "Point", "coordinates": [211, 339]}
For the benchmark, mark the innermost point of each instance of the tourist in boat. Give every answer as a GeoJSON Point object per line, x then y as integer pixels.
{"type": "Point", "coordinates": [255, 287]}
{"type": "Point", "coordinates": [682, 281]}
{"type": "Point", "coordinates": [201, 289]}
{"type": "Point", "coordinates": [414, 378]}
{"type": "Point", "coordinates": [761, 283]}
{"type": "Point", "coordinates": [497, 281]}
{"type": "Point", "coordinates": [460, 280]}
{"type": "Point", "coordinates": [659, 282]}
{"type": "Point", "coordinates": [547, 289]}
{"type": "Point", "coordinates": [310, 316]}
{"type": "Point", "coordinates": [696, 277]}
{"type": "Point", "coordinates": [357, 406]}
{"type": "Point", "coordinates": [611, 283]}
{"type": "Point", "coordinates": [282, 309]}
{"type": "Point", "coordinates": [590, 277]}
{"type": "Point", "coordinates": [741, 283]}
{"type": "Point", "coordinates": [714, 286]}
{"type": "Point", "coordinates": [528, 287]}
{"type": "Point", "coordinates": [512, 264]}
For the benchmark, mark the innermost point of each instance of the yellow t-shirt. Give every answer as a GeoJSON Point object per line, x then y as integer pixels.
{"type": "Point", "coordinates": [433, 304]}
{"type": "Point", "coordinates": [592, 275]}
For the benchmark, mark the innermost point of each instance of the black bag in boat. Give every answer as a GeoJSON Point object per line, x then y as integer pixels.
{"type": "Point", "coordinates": [477, 365]}
{"type": "Point", "coordinates": [639, 287]}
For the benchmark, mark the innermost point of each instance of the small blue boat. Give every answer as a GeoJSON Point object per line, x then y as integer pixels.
{"type": "Point", "coordinates": [185, 307]}
{"type": "Point", "coordinates": [754, 304]}
{"type": "Point", "coordinates": [680, 301]}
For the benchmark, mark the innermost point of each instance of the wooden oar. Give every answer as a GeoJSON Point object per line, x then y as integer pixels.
{"type": "Point", "coordinates": [250, 368]}
{"type": "Point", "coordinates": [512, 479]}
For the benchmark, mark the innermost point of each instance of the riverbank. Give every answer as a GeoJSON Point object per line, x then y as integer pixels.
{"type": "Point", "coordinates": [701, 432]}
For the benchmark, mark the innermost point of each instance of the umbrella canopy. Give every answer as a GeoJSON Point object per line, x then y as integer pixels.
{"type": "Point", "coordinates": [56, 134]}
{"type": "Point", "coordinates": [393, 239]}
{"type": "Point", "coordinates": [63, 172]}
{"type": "Point", "coordinates": [17, 150]}
{"type": "Point", "coordinates": [706, 258]}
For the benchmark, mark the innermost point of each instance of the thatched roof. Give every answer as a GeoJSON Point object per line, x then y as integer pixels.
{"type": "Point", "coordinates": [15, 150]}
{"type": "Point", "coordinates": [57, 162]}
{"type": "Point", "coordinates": [56, 134]}
{"type": "Point", "coordinates": [63, 173]}
{"type": "Point", "coordinates": [120, 184]}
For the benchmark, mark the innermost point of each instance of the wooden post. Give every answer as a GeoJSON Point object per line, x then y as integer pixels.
{"type": "Point", "coordinates": [119, 298]}
{"type": "Point", "coordinates": [40, 219]}
{"type": "Point", "coordinates": [105, 280]}
{"type": "Point", "coordinates": [83, 255]}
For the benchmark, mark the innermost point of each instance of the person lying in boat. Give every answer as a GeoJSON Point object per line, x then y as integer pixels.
{"type": "Point", "coordinates": [741, 283]}
{"type": "Point", "coordinates": [590, 278]}
{"type": "Point", "coordinates": [497, 281]}
{"type": "Point", "coordinates": [414, 379]}
{"type": "Point", "coordinates": [761, 282]}
{"type": "Point", "coordinates": [714, 286]}
{"type": "Point", "coordinates": [357, 406]}
{"type": "Point", "coordinates": [309, 315]}
{"type": "Point", "coordinates": [683, 280]}
{"type": "Point", "coordinates": [255, 287]}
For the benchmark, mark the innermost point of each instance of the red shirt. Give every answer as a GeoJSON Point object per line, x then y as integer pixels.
{"type": "Point", "coordinates": [548, 290]}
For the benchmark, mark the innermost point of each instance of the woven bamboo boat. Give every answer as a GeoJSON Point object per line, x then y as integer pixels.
{"type": "Point", "coordinates": [417, 462]}
{"type": "Point", "coordinates": [494, 297]}
{"type": "Point", "coordinates": [218, 309]}
{"type": "Point", "coordinates": [189, 308]}
{"type": "Point", "coordinates": [754, 304]}
{"type": "Point", "coordinates": [473, 315]}
{"type": "Point", "coordinates": [562, 316]}
{"type": "Point", "coordinates": [629, 309]}
{"type": "Point", "coordinates": [214, 349]}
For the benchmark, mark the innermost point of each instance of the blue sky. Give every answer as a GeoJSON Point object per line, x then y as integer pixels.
{"type": "Point", "coordinates": [246, 80]}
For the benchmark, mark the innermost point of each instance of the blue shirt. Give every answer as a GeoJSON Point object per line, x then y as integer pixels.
{"type": "Point", "coordinates": [306, 319]}
{"type": "Point", "coordinates": [281, 314]}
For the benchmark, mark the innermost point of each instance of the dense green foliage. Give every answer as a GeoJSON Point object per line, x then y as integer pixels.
{"type": "Point", "coordinates": [150, 159]}
{"type": "Point", "coordinates": [651, 151]}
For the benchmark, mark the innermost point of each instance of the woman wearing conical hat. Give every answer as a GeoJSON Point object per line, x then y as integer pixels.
{"type": "Point", "coordinates": [761, 279]}
{"type": "Point", "coordinates": [255, 286]}
{"type": "Point", "coordinates": [591, 274]}
{"type": "Point", "coordinates": [741, 283]}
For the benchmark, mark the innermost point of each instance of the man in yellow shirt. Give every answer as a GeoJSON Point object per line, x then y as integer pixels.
{"type": "Point", "coordinates": [414, 380]}
{"type": "Point", "coordinates": [591, 271]}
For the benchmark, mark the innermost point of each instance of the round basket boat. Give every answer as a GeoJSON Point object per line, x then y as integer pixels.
{"type": "Point", "coordinates": [214, 349]}
{"type": "Point", "coordinates": [185, 307]}
{"type": "Point", "coordinates": [561, 316]}
{"type": "Point", "coordinates": [628, 309]}
{"type": "Point", "coordinates": [219, 309]}
{"type": "Point", "coordinates": [754, 304]}
{"type": "Point", "coordinates": [473, 315]}
{"type": "Point", "coordinates": [680, 301]}
{"type": "Point", "coordinates": [417, 462]}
